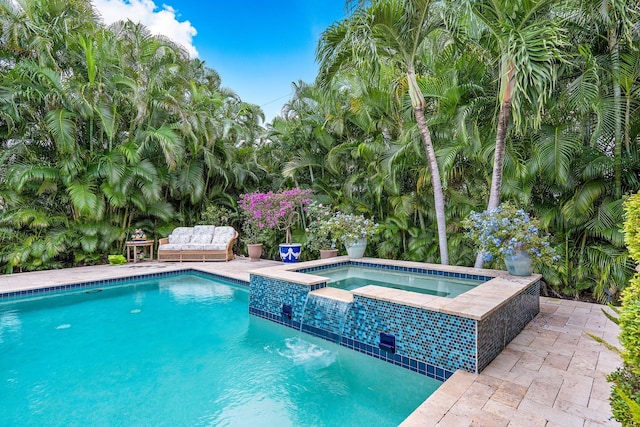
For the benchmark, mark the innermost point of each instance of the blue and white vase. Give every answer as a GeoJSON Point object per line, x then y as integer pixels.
{"type": "Point", "coordinates": [290, 252]}
{"type": "Point", "coordinates": [357, 249]}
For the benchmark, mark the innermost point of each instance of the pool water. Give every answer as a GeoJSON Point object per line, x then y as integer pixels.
{"type": "Point", "coordinates": [183, 350]}
{"type": "Point", "coordinates": [353, 277]}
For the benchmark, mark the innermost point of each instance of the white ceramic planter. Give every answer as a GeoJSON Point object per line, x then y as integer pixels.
{"type": "Point", "coordinates": [519, 264]}
{"type": "Point", "coordinates": [357, 250]}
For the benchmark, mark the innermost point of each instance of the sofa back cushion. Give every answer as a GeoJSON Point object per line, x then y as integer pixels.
{"type": "Point", "coordinates": [204, 229]}
{"type": "Point", "coordinates": [201, 238]}
{"type": "Point", "coordinates": [180, 235]}
{"type": "Point", "coordinates": [223, 234]}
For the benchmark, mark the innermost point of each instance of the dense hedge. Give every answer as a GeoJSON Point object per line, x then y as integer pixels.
{"type": "Point", "coordinates": [625, 394]}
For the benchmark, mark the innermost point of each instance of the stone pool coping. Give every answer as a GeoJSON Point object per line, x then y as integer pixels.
{"type": "Point", "coordinates": [551, 374]}
{"type": "Point", "coordinates": [477, 303]}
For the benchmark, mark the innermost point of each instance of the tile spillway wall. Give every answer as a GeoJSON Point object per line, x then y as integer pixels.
{"type": "Point", "coordinates": [429, 342]}
{"type": "Point", "coordinates": [501, 326]}
{"type": "Point", "coordinates": [439, 339]}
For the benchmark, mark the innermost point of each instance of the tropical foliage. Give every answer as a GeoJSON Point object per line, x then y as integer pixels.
{"type": "Point", "coordinates": [104, 130]}
{"type": "Point", "coordinates": [422, 113]}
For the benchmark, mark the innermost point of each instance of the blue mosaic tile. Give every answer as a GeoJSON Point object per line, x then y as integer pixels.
{"type": "Point", "coordinates": [497, 330]}
{"type": "Point", "coordinates": [269, 295]}
{"type": "Point", "coordinates": [437, 338]}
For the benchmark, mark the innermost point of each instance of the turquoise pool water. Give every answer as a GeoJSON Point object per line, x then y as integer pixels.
{"type": "Point", "coordinates": [183, 350]}
{"type": "Point", "coordinates": [353, 277]}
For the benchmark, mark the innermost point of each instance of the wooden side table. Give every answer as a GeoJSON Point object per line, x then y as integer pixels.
{"type": "Point", "coordinates": [135, 244]}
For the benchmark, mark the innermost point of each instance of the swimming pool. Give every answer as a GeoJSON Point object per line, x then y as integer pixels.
{"type": "Point", "coordinates": [183, 350]}
{"type": "Point", "coordinates": [353, 277]}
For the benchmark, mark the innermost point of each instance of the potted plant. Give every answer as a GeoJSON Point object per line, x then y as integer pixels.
{"type": "Point", "coordinates": [509, 235]}
{"type": "Point", "coordinates": [352, 230]}
{"type": "Point", "coordinates": [252, 238]}
{"type": "Point", "coordinates": [277, 210]}
{"type": "Point", "coordinates": [138, 234]}
{"type": "Point", "coordinates": [320, 239]}
{"type": "Point", "coordinates": [252, 226]}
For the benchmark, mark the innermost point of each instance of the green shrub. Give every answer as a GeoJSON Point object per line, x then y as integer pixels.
{"type": "Point", "coordinates": [626, 389]}
{"type": "Point", "coordinates": [219, 215]}
{"type": "Point", "coordinates": [117, 259]}
{"type": "Point", "coordinates": [625, 393]}
{"type": "Point", "coordinates": [632, 226]}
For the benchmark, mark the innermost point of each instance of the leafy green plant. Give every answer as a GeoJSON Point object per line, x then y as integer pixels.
{"type": "Point", "coordinates": [317, 235]}
{"type": "Point", "coordinates": [625, 393]}
{"type": "Point", "coordinates": [117, 259]}
{"type": "Point", "coordinates": [219, 216]}
{"type": "Point", "coordinates": [349, 228]}
{"type": "Point", "coordinates": [252, 234]}
{"type": "Point", "coordinates": [632, 226]}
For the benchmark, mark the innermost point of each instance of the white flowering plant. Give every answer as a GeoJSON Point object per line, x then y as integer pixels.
{"type": "Point", "coordinates": [499, 233]}
{"type": "Point", "coordinates": [318, 236]}
{"type": "Point", "coordinates": [349, 228]}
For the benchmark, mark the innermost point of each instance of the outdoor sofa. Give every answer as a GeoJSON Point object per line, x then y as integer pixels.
{"type": "Point", "coordinates": [199, 243]}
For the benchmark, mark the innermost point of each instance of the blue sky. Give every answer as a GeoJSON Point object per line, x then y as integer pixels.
{"type": "Point", "coordinates": [258, 47]}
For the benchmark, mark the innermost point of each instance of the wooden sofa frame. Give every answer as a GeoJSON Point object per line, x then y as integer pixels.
{"type": "Point", "coordinates": [193, 255]}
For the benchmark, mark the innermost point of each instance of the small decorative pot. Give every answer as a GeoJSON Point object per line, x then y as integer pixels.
{"type": "Point", "coordinates": [290, 252]}
{"type": "Point", "coordinates": [519, 264]}
{"type": "Point", "coordinates": [328, 253]}
{"type": "Point", "coordinates": [255, 251]}
{"type": "Point", "coordinates": [357, 249]}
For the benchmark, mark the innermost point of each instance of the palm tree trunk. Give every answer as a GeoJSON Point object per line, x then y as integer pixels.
{"type": "Point", "coordinates": [498, 161]}
{"type": "Point", "coordinates": [438, 196]}
{"type": "Point", "coordinates": [498, 155]}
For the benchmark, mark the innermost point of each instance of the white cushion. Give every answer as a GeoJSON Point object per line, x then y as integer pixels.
{"type": "Point", "coordinates": [179, 238]}
{"type": "Point", "coordinates": [193, 247]}
{"type": "Point", "coordinates": [204, 229]}
{"type": "Point", "coordinates": [182, 230]}
{"type": "Point", "coordinates": [170, 247]}
{"type": "Point", "coordinates": [215, 247]}
{"type": "Point", "coordinates": [201, 238]}
{"type": "Point", "coordinates": [223, 234]}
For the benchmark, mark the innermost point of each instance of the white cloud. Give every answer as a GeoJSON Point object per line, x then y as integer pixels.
{"type": "Point", "coordinates": [157, 20]}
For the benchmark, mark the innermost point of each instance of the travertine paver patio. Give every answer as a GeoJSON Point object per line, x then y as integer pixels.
{"type": "Point", "coordinates": [551, 374]}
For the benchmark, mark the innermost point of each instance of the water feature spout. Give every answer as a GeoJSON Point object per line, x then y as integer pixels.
{"type": "Point", "coordinates": [387, 342]}
{"type": "Point", "coordinates": [324, 316]}
{"type": "Point", "coordinates": [287, 311]}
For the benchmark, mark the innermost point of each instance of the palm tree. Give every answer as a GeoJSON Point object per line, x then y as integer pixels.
{"type": "Point", "coordinates": [389, 32]}
{"type": "Point", "coordinates": [525, 42]}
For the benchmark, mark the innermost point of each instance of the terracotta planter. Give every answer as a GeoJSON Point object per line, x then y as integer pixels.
{"type": "Point", "coordinates": [328, 253]}
{"type": "Point", "coordinates": [255, 251]}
